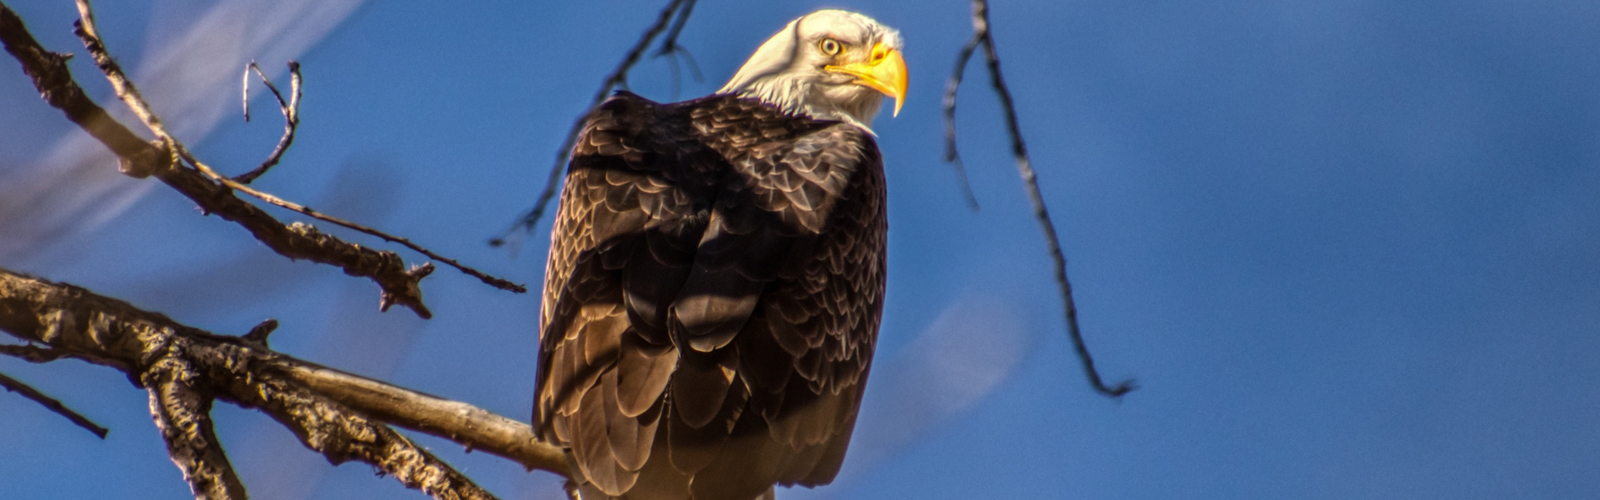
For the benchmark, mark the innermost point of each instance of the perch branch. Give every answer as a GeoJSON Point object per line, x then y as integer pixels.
{"type": "Point", "coordinates": [341, 415]}
{"type": "Point", "coordinates": [52, 404]}
{"type": "Point", "coordinates": [342, 434]}
{"type": "Point", "coordinates": [617, 79]}
{"type": "Point", "coordinates": [290, 110]}
{"type": "Point", "coordinates": [982, 36]}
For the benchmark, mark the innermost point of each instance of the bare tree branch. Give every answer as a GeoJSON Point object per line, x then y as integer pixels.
{"type": "Point", "coordinates": [617, 79]}
{"type": "Point", "coordinates": [290, 110]}
{"type": "Point", "coordinates": [296, 241]}
{"type": "Point", "coordinates": [982, 36]}
{"type": "Point", "coordinates": [341, 415]}
{"type": "Point", "coordinates": [52, 404]}
{"type": "Point", "coordinates": [130, 95]}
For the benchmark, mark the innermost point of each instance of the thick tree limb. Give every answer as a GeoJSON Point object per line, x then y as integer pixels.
{"type": "Point", "coordinates": [341, 415]}
{"type": "Point", "coordinates": [52, 404]}
{"type": "Point", "coordinates": [981, 36]}
{"type": "Point", "coordinates": [617, 79]}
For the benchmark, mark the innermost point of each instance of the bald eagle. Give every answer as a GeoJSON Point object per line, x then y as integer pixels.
{"type": "Point", "coordinates": [716, 274]}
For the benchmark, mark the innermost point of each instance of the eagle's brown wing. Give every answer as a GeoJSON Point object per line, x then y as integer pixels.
{"type": "Point", "coordinates": [712, 298]}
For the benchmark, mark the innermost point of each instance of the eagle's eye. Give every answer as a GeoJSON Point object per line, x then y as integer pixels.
{"type": "Point", "coordinates": [830, 46]}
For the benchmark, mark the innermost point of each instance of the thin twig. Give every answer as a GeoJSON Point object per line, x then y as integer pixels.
{"type": "Point", "coordinates": [289, 109]}
{"type": "Point", "coordinates": [130, 95]}
{"type": "Point", "coordinates": [14, 385]}
{"type": "Point", "coordinates": [982, 36]}
{"type": "Point", "coordinates": [671, 50]}
{"type": "Point", "coordinates": [503, 284]}
{"type": "Point", "coordinates": [617, 79]}
{"type": "Point", "coordinates": [951, 155]}
{"type": "Point", "coordinates": [669, 44]}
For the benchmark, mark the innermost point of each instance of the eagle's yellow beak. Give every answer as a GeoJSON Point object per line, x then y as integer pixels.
{"type": "Point", "coordinates": [884, 71]}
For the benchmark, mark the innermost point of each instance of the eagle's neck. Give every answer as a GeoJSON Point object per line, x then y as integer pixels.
{"type": "Point", "coordinates": [795, 96]}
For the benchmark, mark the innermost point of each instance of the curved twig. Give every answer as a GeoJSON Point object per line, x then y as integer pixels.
{"type": "Point", "coordinates": [952, 155]}
{"type": "Point", "coordinates": [982, 36]}
{"type": "Point", "coordinates": [290, 110]}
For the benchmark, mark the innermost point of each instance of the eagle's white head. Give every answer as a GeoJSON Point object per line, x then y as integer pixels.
{"type": "Point", "coordinates": [829, 64]}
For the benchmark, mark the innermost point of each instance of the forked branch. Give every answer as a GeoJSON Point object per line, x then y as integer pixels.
{"type": "Point", "coordinates": [130, 95]}
{"type": "Point", "coordinates": [341, 415]}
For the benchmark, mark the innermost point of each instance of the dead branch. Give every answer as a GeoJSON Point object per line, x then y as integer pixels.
{"type": "Point", "coordinates": [290, 109]}
{"type": "Point", "coordinates": [52, 404]}
{"type": "Point", "coordinates": [341, 415]}
{"type": "Point", "coordinates": [982, 36]}
{"type": "Point", "coordinates": [617, 79]}
{"type": "Point", "coordinates": [129, 93]}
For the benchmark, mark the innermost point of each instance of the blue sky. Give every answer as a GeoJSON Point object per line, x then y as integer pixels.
{"type": "Point", "coordinates": [1349, 248]}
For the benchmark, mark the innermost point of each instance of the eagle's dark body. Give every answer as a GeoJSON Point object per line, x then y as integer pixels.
{"type": "Point", "coordinates": [712, 298]}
